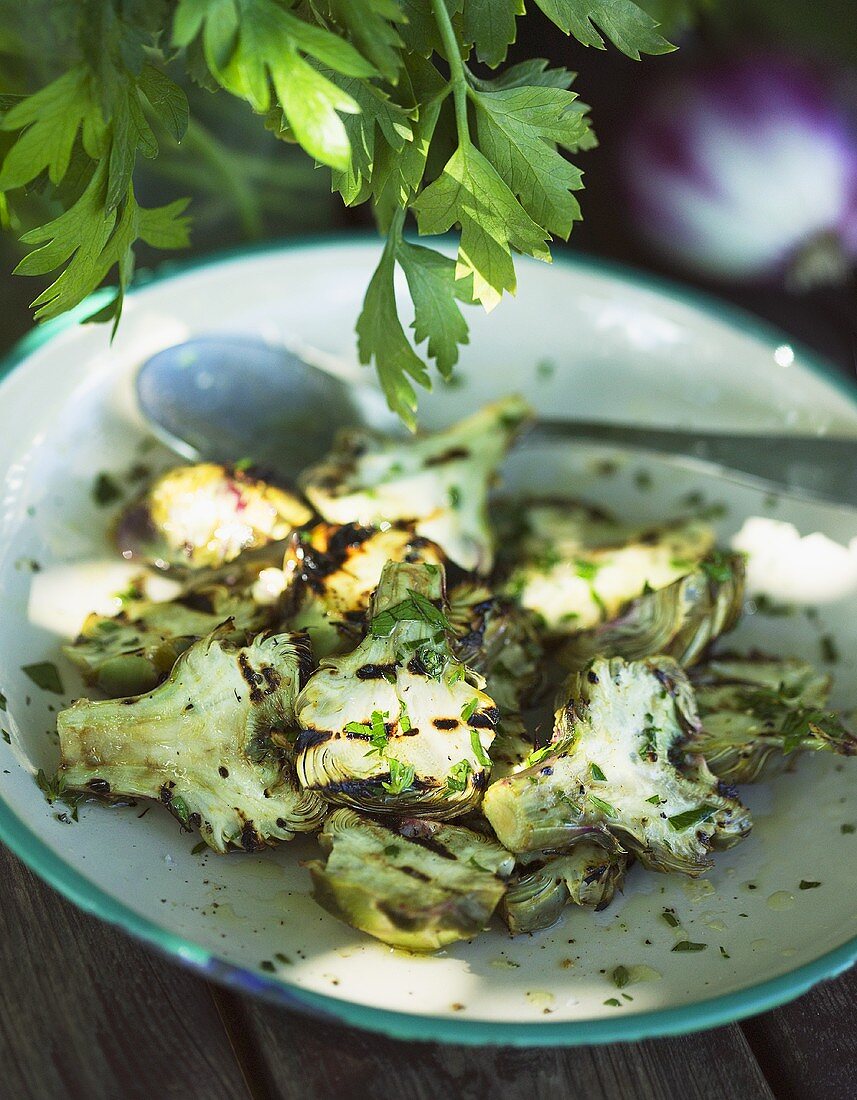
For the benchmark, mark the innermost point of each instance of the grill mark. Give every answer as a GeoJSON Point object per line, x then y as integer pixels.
{"type": "Point", "coordinates": [449, 455]}
{"type": "Point", "coordinates": [376, 672]}
{"type": "Point", "coordinates": [485, 719]}
{"type": "Point", "coordinates": [309, 739]}
{"type": "Point", "coordinates": [414, 873]}
{"type": "Point", "coordinates": [445, 723]}
{"type": "Point", "coordinates": [432, 845]}
{"type": "Point", "coordinates": [250, 839]}
{"type": "Point", "coordinates": [251, 678]}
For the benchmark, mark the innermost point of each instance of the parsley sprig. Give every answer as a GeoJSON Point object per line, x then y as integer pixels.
{"type": "Point", "coordinates": [384, 93]}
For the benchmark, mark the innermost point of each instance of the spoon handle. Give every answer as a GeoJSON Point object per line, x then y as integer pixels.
{"type": "Point", "coordinates": [821, 467]}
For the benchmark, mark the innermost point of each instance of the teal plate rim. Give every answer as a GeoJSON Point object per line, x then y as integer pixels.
{"type": "Point", "coordinates": [73, 885]}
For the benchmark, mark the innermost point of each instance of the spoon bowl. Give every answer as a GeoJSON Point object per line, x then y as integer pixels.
{"type": "Point", "coordinates": [226, 398]}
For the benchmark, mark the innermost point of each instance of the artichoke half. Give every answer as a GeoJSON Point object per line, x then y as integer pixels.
{"type": "Point", "coordinates": [203, 516]}
{"type": "Point", "coordinates": [399, 725]}
{"type": "Point", "coordinates": [578, 567]}
{"type": "Point", "coordinates": [132, 652]}
{"type": "Point", "coordinates": [208, 743]}
{"type": "Point", "coordinates": [758, 711]}
{"type": "Point", "coordinates": [417, 885]}
{"type": "Point", "coordinates": [544, 884]}
{"type": "Point", "coordinates": [619, 773]}
{"type": "Point", "coordinates": [332, 571]}
{"type": "Point", "coordinates": [438, 482]}
{"type": "Point", "coordinates": [680, 620]}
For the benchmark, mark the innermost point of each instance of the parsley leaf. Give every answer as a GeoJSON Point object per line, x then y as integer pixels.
{"type": "Point", "coordinates": [628, 27]}
{"type": "Point", "coordinates": [471, 193]}
{"type": "Point", "coordinates": [518, 130]}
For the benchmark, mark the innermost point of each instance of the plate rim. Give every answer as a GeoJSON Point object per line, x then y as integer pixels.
{"type": "Point", "coordinates": [62, 876]}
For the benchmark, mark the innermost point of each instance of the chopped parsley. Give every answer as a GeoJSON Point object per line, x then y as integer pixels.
{"type": "Point", "coordinates": [179, 808]}
{"type": "Point", "coordinates": [717, 566]}
{"type": "Point", "coordinates": [807, 885]}
{"type": "Point", "coordinates": [469, 709]}
{"type": "Point", "coordinates": [643, 480]}
{"type": "Point", "coordinates": [596, 773]}
{"type": "Point", "coordinates": [478, 750]}
{"type": "Point", "coordinates": [416, 608]}
{"type": "Point", "coordinates": [602, 806]}
{"type": "Point", "coordinates": [689, 945]}
{"type": "Point", "coordinates": [404, 717]}
{"type": "Point", "coordinates": [764, 605]}
{"type": "Point", "coordinates": [829, 649]}
{"type": "Point", "coordinates": [724, 952]}
{"type": "Point", "coordinates": [614, 1002]}
{"type": "Point", "coordinates": [456, 780]}
{"type": "Point", "coordinates": [45, 675]}
{"type": "Point", "coordinates": [2, 701]}
{"type": "Point", "coordinates": [198, 849]}
{"type": "Point", "coordinates": [848, 828]}
{"type": "Point", "coordinates": [401, 777]}
{"type": "Point", "coordinates": [105, 490]}
{"type": "Point", "coordinates": [669, 916]}
{"type": "Point", "coordinates": [54, 789]}
{"type": "Point", "coordinates": [586, 570]}
{"type": "Point", "coordinates": [621, 977]}
{"type": "Point", "coordinates": [691, 817]}
{"type": "Point", "coordinates": [453, 495]}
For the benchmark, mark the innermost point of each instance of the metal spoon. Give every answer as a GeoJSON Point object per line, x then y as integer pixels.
{"type": "Point", "coordinates": [223, 398]}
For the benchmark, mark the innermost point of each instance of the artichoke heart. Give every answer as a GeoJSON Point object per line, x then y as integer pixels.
{"type": "Point", "coordinates": [577, 566]}
{"type": "Point", "coordinates": [544, 884]}
{"type": "Point", "coordinates": [438, 482]}
{"type": "Point", "coordinates": [206, 515]}
{"type": "Point", "coordinates": [680, 621]}
{"type": "Point", "coordinates": [620, 772]}
{"type": "Point", "coordinates": [332, 572]}
{"type": "Point", "coordinates": [133, 651]}
{"type": "Point", "coordinates": [398, 725]}
{"type": "Point", "coordinates": [758, 711]}
{"type": "Point", "coordinates": [417, 885]}
{"type": "Point", "coordinates": [208, 742]}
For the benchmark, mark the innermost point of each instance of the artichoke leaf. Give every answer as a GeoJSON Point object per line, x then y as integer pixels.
{"type": "Point", "coordinates": [545, 883]}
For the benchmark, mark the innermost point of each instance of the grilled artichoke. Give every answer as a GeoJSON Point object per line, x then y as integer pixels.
{"type": "Point", "coordinates": [680, 621]}
{"type": "Point", "coordinates": [544, 884]}
{"type": "Point", "coordinates": [619, 773]}
{"type": "Point", "coordinates": [418, 884]}
{"type": "Point", "coordinates": [203, 516]}
{"type": "Point", "coordinates": [758, 711]}
{"type": "Point", "coordinates": [439, 482]}
{"type": "Point", "coordinates": [132, 652]}
{"type": "Point", "coordinates": [332, 572]}
{"type": "Point", "coordinates": [208, 743]}
{"type": "Point", "coordinates": [398, 725]}
{"type": "Point", "coordinates": [578, 567]}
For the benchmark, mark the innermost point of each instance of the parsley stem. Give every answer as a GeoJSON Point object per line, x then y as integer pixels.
{"type": "Point", "coordinates": [457, 78]}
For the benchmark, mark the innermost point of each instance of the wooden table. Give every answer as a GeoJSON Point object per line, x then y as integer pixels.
{"type": "Point", "coordinates": [87, 1012]}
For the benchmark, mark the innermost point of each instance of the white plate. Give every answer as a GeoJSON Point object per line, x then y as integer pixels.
{"type": "Point", "coordinates": [615, 346]}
